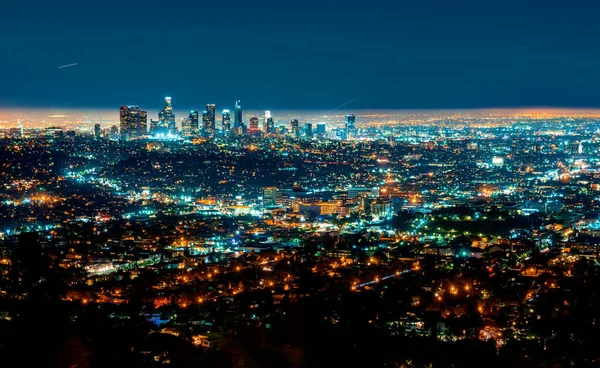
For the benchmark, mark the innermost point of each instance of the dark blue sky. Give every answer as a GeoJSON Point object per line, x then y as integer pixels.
{"type": "Point", "coordinates": [300, 54]}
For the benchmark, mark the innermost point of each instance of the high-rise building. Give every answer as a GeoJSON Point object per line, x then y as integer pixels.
{"type": "Point", "coordinates": [350, 125]}
{"type": "Point", "coordinates": [166, 116]}
{"type": "Point", "coordinates": [210, 112]}
{"type": "Point", "coordinates": [205, 122]}
{"type": "Point", "coordinates": [142, 128]}
{"type": "Point", "coordinates": [253, 125]}
{"type": "Point", "coordinates": [114, 131]}
{"type": "Point", "coordinates": [226, 120]}
{"type": "Point", "coordinates": [268, 124]}
{"type": "Point", "coordinates": [133, 121]}
{"type": "Point", "coordinates": [308, 130]}
{"type": "Point", "coordinates": [187, 127]}
{"type": "Point", "coordinates": [321, 129]}
{"type": "Point", "coordinates": [194, 121]}
{"type": "Point", "coordinates": [295, 128]}
{"type": "Point", "coordinates": [97, 131]}
{"type": "Point", "coordinates": [237, 117]}
{"type": "Point", "coordinates": [154, 124]}
{"type": "Point", "coordinates": [270, 195]}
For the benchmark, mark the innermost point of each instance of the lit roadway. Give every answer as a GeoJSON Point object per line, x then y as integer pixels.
{"type": "Point", "coordinates": [383, 278]}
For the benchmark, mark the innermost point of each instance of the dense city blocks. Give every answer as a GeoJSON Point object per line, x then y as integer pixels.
{"type": "Point", "coordinates": [287, 239]}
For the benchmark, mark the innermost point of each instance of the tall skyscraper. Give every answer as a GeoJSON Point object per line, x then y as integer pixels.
{"type": "Point", "coordinates": [133, 121]}
{"type": "Point", "coordinates": [268, 124]}
{"type": "Point", "coordinates": [194, 121]}
{"type": "Point", "coordinates": [166, 116]}
{"type": "Point", "coordinates": [142, 128]}
{"type": "Point", "coordinates": [295, 128]}
{"type": "Point", "coordinates": [97, 131]}
{"type": "Point", "coordinates": [253, 125]}
{"type": "Point", "coordinates": [154, 126]}
{"type": "Point", "coordinates": [237, 116]}
{"type": "Point", "coordinates": [321, 129]}
{"type": "Point", "coordinates": [350, 128]}
{"type": "Point", "coordinates": [308, 130]}
{"type": "Point", "coordinates": [205, 122]}
{"type": "Point", "coordinates": [210, 111]}
{"type": "Point", "coordinates": [226, 120]}
{"type": "Point", "coordinates": [114, 131]}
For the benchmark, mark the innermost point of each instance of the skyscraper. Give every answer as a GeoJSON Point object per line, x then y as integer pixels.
{"type": "Point", "coordinates": [226, 120]}
{"type": "Point", "coordinates": [205, 122]}
{"type": "Point", "coordinates": [295, 128]}
{"type": "Point", "coordinates": [166, 116]}
{"type": "Point", "coordinates": [253, 125]}
{"type": "Point", "coordinates": [154, 124]}
{"type": "Point", "coordinates": [186, 127]}
{"type": "Point", "coordinates": [321, 129]}
{"type": "Point", "coordinates": [97, 131]}
{"type": "Point", "coordinates": [133, 121]}
{"type": "Point", "coordinates": [210, 111]}
{"type": "Point", "coordinates": [237, 117]}
{"type": "Point", "coordinates": [268, 124]}
{"type": "Point", "coordinates": [350, 121]}
{"type": "Point", "coordinates": [194, 121]}
{"type": "Point", "coordinates": [308, 130]}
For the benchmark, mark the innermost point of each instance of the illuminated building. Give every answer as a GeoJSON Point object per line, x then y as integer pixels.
{"type": "Point", "coordinates": [194, 121]}
{"type": "Point", "coordinates": [133, 122]}
{"type": "Point", "coordinates": [268, 124]}
{"type": "Point", "coordinates": [187, 127]}
{"type": "Point", "coordinates": [270, 195]}
{"type": "Point", "coordinates": [253, 125]}
{"type": "Point", "coordinates": [53, 132]}
{"type": "Point", "coordinates": [205, 122]}
{"type": "Point", "coordinates": [498, 161]}
{"type": "Point", "coordinates": [97, 130]}
{"type": "Point", "coordinates": [295, 128]}
{"type": "Point", "coordinates": [114, 131]}
{"type": "Point", "coordinates": [226, 120]}
{"type": "Point", "coordinates": [210, 114]}
{"type": "Point", "coordinates": [237, 117]}
{"type": "Point", "coordinates": [308, 131]}
{"type": "Point", "coordinates": [321, 129]}
{"type": "Point", "coordinates": [350, 125]}
{"type": "Point", "coordinates": [166, 116]}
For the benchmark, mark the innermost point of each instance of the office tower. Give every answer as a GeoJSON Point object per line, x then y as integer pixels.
{"type": "Point", "coordinates": [142, 127]}
{"type": "Point", "coordinates": [295, 128]}
{"type": "Point", "coordinates": [187, 127]}
{"type": "Point", "coordinates": [350, 127]}
{"type": "Point", "coordinates": [270, 195]}
{"type": "Point", "coordinates": [308, 130]}
{"type": "Point", "coordinates": [268, 124]}
{"type": "Point", "coordinates": [253, 125]}
{"type": "Point", "coordinates": [166, 116]}
{"type": "Point", "coordinates": [205, 122]}
{"type": "Point", "coordinates": [133, 121]}
{"type": "Point", "coordinates": [210, 112]}
{"type": "Point", "coordinates": [194, 121]}
{"type": "Point", "coordinates": [226, 120]}
{"type": "Point", "coordinates": [114, 131]}
{"type": "Point", "coordinates": [321, 129]}
{"type": "Point", "coordinates": [97, 131]}
{"type": "Point", "coordinates": [154, 126]}
{"type": "Point", "coordinates": [237, 117]}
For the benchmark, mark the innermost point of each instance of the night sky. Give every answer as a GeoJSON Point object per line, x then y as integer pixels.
{"type": "Point", "coordinates": [300, 54]}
